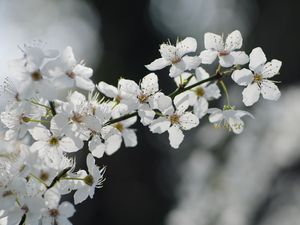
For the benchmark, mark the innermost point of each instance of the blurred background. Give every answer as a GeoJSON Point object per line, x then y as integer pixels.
{"type": "Point", "coordinates": [215, 178]}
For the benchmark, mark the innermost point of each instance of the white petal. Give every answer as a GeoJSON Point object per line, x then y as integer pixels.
{"type": "Point", "coordinates": [90, 162]}
{"type": "Point", "coordinates": [158, 64]}
{"type": "Point", "coordinates": [257, 58]}
{"type": "Point", "coordinates": [76, 98]}
{"type": "Point", "coordinates": [113, 143]}
{"type": "Point", "coordinates": [269, 90]}
{"type": "Point", "coordinates": [40, 133]}
{"type": "Point", "coordinates": [251, 94]}
{"type": "Point", "coordinates": [175, 136]}
{"type": "Point", "coordinates": [177, 69]}
{"type": "Point", "coordinates": [183, 77]}
{"type": "Point", "coordinates": [129, 136]}
{"type": "Point", "coordinates": [216, 115]}
{"type": "Point", "coordinates": [67, 144]}
{"type": "Point", "coordinates": [39, 146]}
{"type": "Point", "coordinates": [242, 77]}
{"type": "Point", "coordinates": [201, 74]}
{"type": "Point", "coordinates": [128, 86]}
{"type": "Point", "coordinates": [240, 58]}
{"type": "Point", "coordinates": [181, 102]}
{"type": "Point", "coordinates": [108, 90]}
{"type": "Point", "coordinates": [149, 84]}
{"type": "Point", "coordinates": [191, 62]}
{"type": "Point", "coordinates": [188, 121]}
{"type": "Point", "coordinates": [68, 57]}
{"type": "Point", "coordinates": [168, 52]}
{"type": "Point", "coordinates": [185, 46]}
{"type": "Point", "coordinates": [160, 125]}
{"type": "Point", "coordinates": [236, 124]}
{"type": "Point", "coordinates": [80, 195]}
{"type": "Point", "coordinates": [66, 209]}
{"type": "Point", "coordinates": [208, 56]}
{"type": "Point", "coordinates": [200, 108]}
{"type": "Point", "coordinates": [164, 103]}
{"type": "Point", "coordinates": [234, 41]}
{"type": "Point", "coordinates": [213, 41]}
{"type": "Point", "coordinates": [146, 114]}
{"type": "Point", "coordinates": [96, 147]}
{"type": "Point", "coordinates": [271, 68]}
{"type": "Point", "coordinates": [83, 71]}
{"type": "Point", "coordinates": [84, 83]}
{"type": "Point", "coordinates": [226, 60]}
{"type": "Point", "coordinates": [212, 91]}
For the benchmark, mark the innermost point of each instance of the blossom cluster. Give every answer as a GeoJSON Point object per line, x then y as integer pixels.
{"type": "Point", "coordinates": [42, 128]}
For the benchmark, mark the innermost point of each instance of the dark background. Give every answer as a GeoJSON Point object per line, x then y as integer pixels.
{"type": "Point", "coordinates": [141, 181]}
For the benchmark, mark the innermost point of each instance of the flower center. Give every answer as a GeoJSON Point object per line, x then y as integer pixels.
{"type": "Point", "coordinates": [53, 212]}
{"type": "Point", "coordinates": [258, 78]}
{"type": "Point", "coordinates": [89, 180]}
{"type": "Point", "coordinates": [78, 118]}
{"type": "Point", "coordinates": [36, 75]}
{"type": "Point", "coordinates": [200, 92]}
{"type": "Point", "coordinates": [71, 74]}
{"type": "Point", "coordinates": [174, 119]}
{"type": "Point", "coordinates": [175, 60]}
{"type": "Point", "coordinates": [53, 141]}
{"type": "Point", "coordinates": [223, 53]}
{"type": "Point", "coordinates": [118, 99]}
{"type": "Point", "coordinates": [143, 98]}
{"type": "Point", "coordinates": [119, 127]}
{"type": "Point", "coordinates": [44, 176]}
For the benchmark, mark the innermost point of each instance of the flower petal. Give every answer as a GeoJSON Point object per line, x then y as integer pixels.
{"type": "Point", "coordinates": [181, 102]}
{"type": "Point", "coordinates": [158, 64]}
{"type": "Point", "coordinates": [160, 125]}
{"type": "Point", "coordinates": [208, 56]}
{"type": "Point", "coordinates": [226, 60]}
{"type": "Point", "coordinates": [269, 90]}
{"type": "Point", "coordinates": [234, 41]}
{"type": "Point", "coordinates": [240, 58]}
{"type": "Point", "coordinates": [236, 124]}
{"type": "Point", "coordinates": [200, 107]}
{"type": "Point", "coordinates": [175, 136]}
{"type": "Point", "coordinates": [257, 58]}
{"type": "Point", "coordinates": [149, 84]}
{"type": "Point", "coordinates": [188, 121]}
{"type": "Point", "coordinates": [185, 46]}
{"type": "Point", "coordinates": [129, 136]}
{"type": "Point", "coordinates": [191, 62]}
{"type": "Point", "coordinates": [213, 41]}
{"type": "Point", "coordinates": [108, 90]}
{"type": "Point", "coordinates": [168, 52]}
{"type": "Point", "coordinates": [242, 77]}
{"type": "Point", "coordinates": [271, 68]}
{"type": "Point", "coordinates": [251, 94]}
{"type": "Point", "coordinates": [201, 74]}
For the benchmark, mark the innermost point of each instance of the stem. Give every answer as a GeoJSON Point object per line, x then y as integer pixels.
{"type": "Point", "coordinates": [225, 91]}
{"type": "Point", "coordinates": [52, 107]}
{"type": "Point", "coordinates": [121, 118]}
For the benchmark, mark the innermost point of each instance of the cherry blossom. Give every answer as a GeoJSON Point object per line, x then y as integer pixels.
{"type": "Point", "coordinates": [175, 56]}
{"type": "Point", "coordinates": [257, 79]}
{"type": "Point", "coordinates": [215, 47]}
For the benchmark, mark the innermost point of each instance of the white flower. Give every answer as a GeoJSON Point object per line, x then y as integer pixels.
{"type": "Point", "coordinates": [176, 57]}
{"type": "Point", "coordinates": [72, 118]}
{"type": "Point", "coordinates": [201, 94]}
{"type": "Point", "coordinates": [51, 144]}
{"type": "Point", "coordinates": [128, 135]}
{"type": "Point", "coordinates": [228, 118]}
{"type": "Point", "coordinates": [91, 181]}
{"type": "Point", "coordinates": [57, 213]}
{"type": "Point", "coordinates": [67, 73]}
{"type": "Point", "coordinates": [174, 120]}
{"type": "Point", "coordinates": [257, 81]}
{"type": "Point", "coordinates": [143, 96]}
{"type": "Point", "coordinates": [123, 99]}
{"type": "Point", "coordinates": [17, 118]}
{"type": "Point", "coordinates": [215, 46]}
